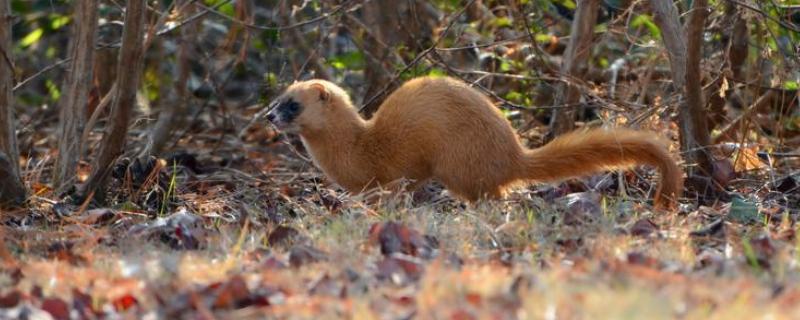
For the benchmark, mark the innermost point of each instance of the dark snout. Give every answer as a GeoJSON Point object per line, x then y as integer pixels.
{"type": "Point", "coordinates": [284, 113]}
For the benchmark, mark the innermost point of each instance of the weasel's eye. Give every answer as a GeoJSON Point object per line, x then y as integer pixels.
{"type": "Point", "coordinates": [289, 110]}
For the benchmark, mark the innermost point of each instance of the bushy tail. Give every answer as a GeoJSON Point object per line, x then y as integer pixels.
{"type": "Point", "coordinates": [586, 152]}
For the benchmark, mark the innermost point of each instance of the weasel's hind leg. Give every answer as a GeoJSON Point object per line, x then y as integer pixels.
{"type": "Point", "coordinates": [471, 190]}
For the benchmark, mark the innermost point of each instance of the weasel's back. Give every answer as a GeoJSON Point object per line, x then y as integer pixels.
{"type": "Point", "coordinates": [445, 126]}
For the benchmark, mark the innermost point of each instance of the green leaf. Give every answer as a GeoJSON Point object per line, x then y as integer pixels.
{"type": "Point", "coordinates": [436, 72]}
{"type": "Point", "coordinates": [52, 90]}
{"type": "Point", "coordinates": [647, 22]}
{"type": "Point", "coordinates": [31, 38]}
{"type": "Point", "coordinates": [56, 22]}
{"type": "Point", "coordinates": [350, 60]}
{"type": "Point", "coordinates": [791, 85]}
{"type": "Point", "coordinates": [543, 37]}
{"type": "Point", "coordinates": [502, 22]}
{"type": "Point", "coordinates": [743, 211]}
{"type": "Point", "coordinates": [569, 4]}
{"type": "Point", "coordinates": [226, 9]}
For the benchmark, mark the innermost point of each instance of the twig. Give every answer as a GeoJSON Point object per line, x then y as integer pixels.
{"type": "Point", "coordinates": [39, 73]}
{"type": "Point", "coordinates": [766, 15]}
{"type": "Point", "coordinates": [104, 102]}
{"type": "Point", "coordinates": [282, 28]}
{"type": "Point", "coordinates": [192, 18]}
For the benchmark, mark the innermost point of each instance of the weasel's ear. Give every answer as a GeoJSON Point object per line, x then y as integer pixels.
{"type": "Point", "coordinates": [324, 95]}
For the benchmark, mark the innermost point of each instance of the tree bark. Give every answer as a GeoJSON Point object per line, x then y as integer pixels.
{"type": "Point", "coordinates": [666, 17]}
{"type": "Point", "coordinates": [693, 120]}
{"type": "Point", "coordinates": [574, 66]}
{"type": "Point", "coordinates": [129, 67]}
{"type": "Point", "coordinates": [12, 190]}
{"type": "Point", "coordinates": [685, 51]}
{"type": "Point", "coordinates": [171, 115]}
{"type": "Point", "coordinates": [72, 109]}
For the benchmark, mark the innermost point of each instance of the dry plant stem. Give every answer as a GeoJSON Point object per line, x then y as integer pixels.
{"type": "Point", "coordinates": [728, 132]}
{"type": "Point", "coordinates": [12, 191]}
{"type": "Point", "coordinates": [104, 102]}
{"type": "Point", "coordinates": [575, 58]}
{"type": "Point", "coordinates": [295, 39]}
{"type": "Point", "coordinates": [76, 87]}
{"type": "Point", "coordinates": [129, 68]}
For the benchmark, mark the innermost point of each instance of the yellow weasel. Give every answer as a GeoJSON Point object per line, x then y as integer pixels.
{"type": "Point", "coordinates": [440, 128]}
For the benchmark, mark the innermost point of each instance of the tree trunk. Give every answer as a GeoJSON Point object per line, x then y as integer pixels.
{"type": "Point", "coordinates": [576, 58]}
{"type": "Point", "coordinates": [171, 115]}
{"type": "Point", "coordinates": [12, 190]}
{"type": "Point", "coordinates": [410, 23]}
{"type": "Point", "coordinates": [693, 122]}
{"type": "Point", "coordinates": [666, 17]}
{"type": "Point", "coordinates": [129, 67]}
{"type": "Point", "coordinates": [684, 48]}
{"type": "Point", "coordinates": [72, 109]}
{"type": "Point", "coordinates": [383, 17]}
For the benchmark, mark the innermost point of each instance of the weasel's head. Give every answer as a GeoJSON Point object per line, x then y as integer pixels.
{"type": "Point", "coordinates": [309, 106]}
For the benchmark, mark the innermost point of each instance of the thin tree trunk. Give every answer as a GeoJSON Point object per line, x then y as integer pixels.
{"type": "Point", "coordinates": [72, 109]}
{"type": "Point", "coordinates": [666, 17]}
{"type": "Point", "coordinates": [12, 190]}
{"type": "Point", "coordinates": [129, 66]}
{"type": "Point", "coordinates": [410, 23]}
{"type": "Point", "coordinates": [383, 18]}
{"type": "Point", "coordinates": [574, 66]}
{"type": "Point", "coordinates": [696, 136]}
{"type": "Point", "coordinates": [684, 47]}
{"type": "Point", "coordinates": [171, 116]}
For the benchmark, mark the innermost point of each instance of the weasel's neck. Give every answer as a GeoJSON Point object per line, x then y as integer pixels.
{"type": "Point", "coordinates": [338, 151]}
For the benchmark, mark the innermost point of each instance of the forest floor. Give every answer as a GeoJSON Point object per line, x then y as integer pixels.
{"type": "Point", "coordinates": [236, 229]}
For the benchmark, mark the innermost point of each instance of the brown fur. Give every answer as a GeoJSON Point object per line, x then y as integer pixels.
{"type": "Point", "coordinates": [442, 129]}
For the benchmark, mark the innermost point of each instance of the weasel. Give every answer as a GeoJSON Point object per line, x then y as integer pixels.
{"type": "Point", "coordinates": [440, 128]}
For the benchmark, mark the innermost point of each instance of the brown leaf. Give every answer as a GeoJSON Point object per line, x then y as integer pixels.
{"type": "Point", "coordinates": [56, 308]}
{"type": "Point", "coordinates": [283, 236]}
{"type": "Point", "coordinates": [713, 229]}
{"type": "Point", "coordinates": [399, 271]}
{"type": "Point", "coordinates": [64, 250]}
{"type": "Point", "coordinates": [181, 230]}
{"type": "Point", "coordinates": [747, 159]}
{"type": "Point", "coordinates": [395, 237]}
{"type": "Point", "coordinates": [643, 228]}
{"type": "Point", "coordinates": [232, 294]}
{"type": "Point", "coordinates": [326, 286]}
{"type": "Point", "coordinates": [581, 207]}
{"type": "Point", "coordinates": [461, 314]}
{"type": "Point", "coordinates": [639, 258]}
{"type": "Point", "coordinates": [83, 303]}
{"type": "Point", "coordinates": [124, 302]}
{"type": "Point", "coordinates": [302, 254]}
{"type": "Point", "coordinates": [723, 171]}
{"type": "Point", "coordinates": [10, 299]}
{"type": "Point", "coordinates": [272, 263]}
{"type": "Point", "coordinates": [97, 216]}
{"type": "Point", "coordinates": [764, 250]}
